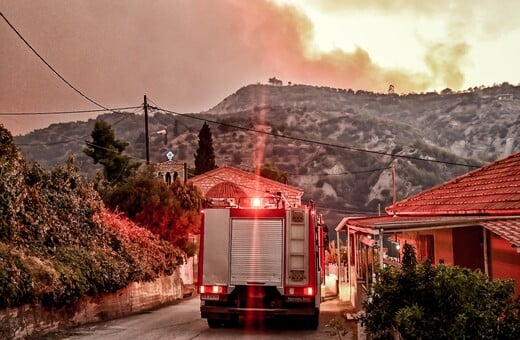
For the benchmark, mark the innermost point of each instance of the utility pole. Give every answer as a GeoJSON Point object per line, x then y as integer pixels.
{"type": "Point", "coordinates": [146, 131]}
{"type": "Point", "coordinates": [393, 183]}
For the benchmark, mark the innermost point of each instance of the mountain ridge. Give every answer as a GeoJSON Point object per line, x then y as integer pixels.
{"type": "Point", "coordinates": [336, 144]}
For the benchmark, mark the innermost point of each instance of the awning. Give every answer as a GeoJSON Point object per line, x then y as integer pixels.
{"type": "Point", "coordinates": [370, 231]}
{"type": "Point", "coordinates": [502, 225]}
{"type": "Point", "coordinates": [368, 241]}
{"type": "Point", "coordinates": [508, 229]}
{"type": "Point", "coordinates": [343, 225]}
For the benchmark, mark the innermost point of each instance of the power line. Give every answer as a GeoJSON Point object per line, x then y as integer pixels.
{"type": "Point", "coordinates": [341, 173]}
{"type": "Point", "coordinates": [88, 143]}
{"type": "Point", "coordinates": [356, 172]}
{"type": "Point", "coordinates": [344, 210]}
{"type": "Point", "coordinates": [306, 141]}
{"type": "Point", "coordinates": [49, 143]}
{"type": "Point", "coordinates": [151, 101]}
{"type": "Point", "coordinates": [115, 110]}
{"type": "Point", "coordinates": [278, 135]}
{"type": "Point", "coordinates": [76, 140]}
{"type": "Point", "coordinates": [327, 144]}
{"type": "Point", "coordinates": [50, 67]}
{"type": "Point", "coordinates": [349, 211]}
{"type": "Point", "coordinates": [235, 126]}
{"type": "Point", "coordinates": [319, 204]}
{"type": "Point", "coordinates": [317, 142]}
{"type": "Point", "coordinates": [252, 169]}
{"type": "Point", "coordinates": [177, 121]}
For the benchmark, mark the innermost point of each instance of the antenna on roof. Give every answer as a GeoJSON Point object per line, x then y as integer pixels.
{"type": "Point", "coordinates": [284, 199]}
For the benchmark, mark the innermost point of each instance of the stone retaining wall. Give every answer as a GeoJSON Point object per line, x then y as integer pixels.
{"type": "Point", "coordinates": [20, 322]}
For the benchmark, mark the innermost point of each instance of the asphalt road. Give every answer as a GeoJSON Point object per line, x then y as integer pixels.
{"type": "Point", "coordinates": [182, 321]}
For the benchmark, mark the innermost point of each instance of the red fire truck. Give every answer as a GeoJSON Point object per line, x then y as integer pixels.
{"type": "Point", "coordinates": [259, 258]}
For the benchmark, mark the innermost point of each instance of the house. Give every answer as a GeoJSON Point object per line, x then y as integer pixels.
{"type": "Point", "coordinates": [229, 182]}
{"type": "Point", "coordinates": [505, 96]}
{"type": "Point", "coordinates": [472, 221]}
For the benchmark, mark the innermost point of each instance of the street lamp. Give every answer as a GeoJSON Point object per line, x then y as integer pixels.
{"type": "Point", "coordinates": [160, 132]}
{"type": "Point", "coordinates": [165, 133]}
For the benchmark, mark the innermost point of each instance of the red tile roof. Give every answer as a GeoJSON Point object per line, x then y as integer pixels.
{"type": "Point", "coordinates": [221, 173]}
{"type": "Point", "coordinates": [488, 196]}
{"type": "Point", "coordinates": [392, 223]}
{"type": "Point", "coordinates": [493, 189]}
{"type": "Point", "coordinates": [225, 190]}
{"type": "Point", "coordinates": [507, 229]}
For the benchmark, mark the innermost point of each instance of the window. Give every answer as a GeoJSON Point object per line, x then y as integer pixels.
{"type": "Point", "coordinates": [426, 248]}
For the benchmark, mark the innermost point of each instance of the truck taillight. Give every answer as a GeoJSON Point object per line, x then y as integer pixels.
{"type": "Point", "coordinates": [212, 289]}
{"type": "Point", "coordinates": [300, 291]}
{"type": "Point", "coordinates": [256, 202]}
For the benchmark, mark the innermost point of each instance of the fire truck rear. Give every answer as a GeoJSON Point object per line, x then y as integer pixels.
{"type": "Point", "coordinates": [259, 259]}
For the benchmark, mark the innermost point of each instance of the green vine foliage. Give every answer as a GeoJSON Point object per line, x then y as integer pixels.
{"type": "Point", "coordinates": [172, 212]}
{"type": "Point", "coordinates": [421, 301]}
{"type": "Point", "coordinates": [58, 243]}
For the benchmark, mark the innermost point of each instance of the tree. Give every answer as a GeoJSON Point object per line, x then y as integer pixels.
{"type": "Point", "coordinates": [447, 91]}
{"type": "Point", "coordinates": [275, 81]}
{"type": "Point", "coordinates": [106, 150]}
{"type": "Point", "coordinates": [205, 156]}
{"type": "Point", "coordinates": [421, 301]}
{"type": "Point", "coordinates": [269, 170]}
{"type": "Point", "coordinates": [172, 212]}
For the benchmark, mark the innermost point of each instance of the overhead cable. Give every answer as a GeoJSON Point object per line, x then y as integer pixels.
{"type": "Point", "coordinates": [50, 67]}
{"type": "Point", "coordinates": [317, 142]}
{"type": "Point", "coordinates": [118, 110]}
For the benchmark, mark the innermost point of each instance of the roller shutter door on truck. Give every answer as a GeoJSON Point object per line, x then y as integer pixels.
{"type": "Point", "coordinates": [256, 251]}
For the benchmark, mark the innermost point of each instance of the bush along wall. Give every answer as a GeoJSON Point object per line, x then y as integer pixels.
{"type": "Point", "coordinates": [57, 241]}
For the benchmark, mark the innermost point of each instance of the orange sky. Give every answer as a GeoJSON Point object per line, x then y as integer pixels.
{"type": "Point", "coordinates": [187, 56]}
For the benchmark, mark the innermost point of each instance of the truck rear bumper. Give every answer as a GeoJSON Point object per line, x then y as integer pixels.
{"type": "Point", "coordinates": [226, 313]}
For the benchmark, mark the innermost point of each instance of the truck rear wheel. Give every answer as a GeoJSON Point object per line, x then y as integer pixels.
{"type": "Point", "coordinates": [214, 323]}
{"type": "Point", "coordinates": [233, 322]}
{"type": "Point", "coordinates": [314, 321]}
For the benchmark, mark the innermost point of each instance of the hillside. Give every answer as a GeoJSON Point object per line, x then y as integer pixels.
{"type": "Point", "coordinates": [336, 144]}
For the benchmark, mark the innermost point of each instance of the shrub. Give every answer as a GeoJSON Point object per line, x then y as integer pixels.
{"type": "Point", "coordinates": [426, 302]}
{"type": "Point", "coordinates": [57, 241]}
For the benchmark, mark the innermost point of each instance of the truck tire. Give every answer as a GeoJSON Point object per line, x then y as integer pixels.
{"type": "Point", "coordinates": [214, 323]}
{"type": "Point", "coordinates": [233, 322]}
{"type": "Point", "coordinates": [314, 321]}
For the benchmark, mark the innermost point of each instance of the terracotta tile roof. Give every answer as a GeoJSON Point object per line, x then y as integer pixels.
{"type": "Point", "coordinates": [220, 173]}
{"type": "Point", "coordinates": [488, 196]}
{"type": "Point", "coordinates": [507, 229]}
{"type": "Point", "coordinates": [393, 223]}
{"type": "Point", "coordinates": [493, 189]}
{"type": "Point", "coordinates": [225, 190]}
{"type": "Point", "coordinates": [376, 221]}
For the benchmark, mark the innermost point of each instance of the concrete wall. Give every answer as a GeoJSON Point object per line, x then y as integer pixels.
{"type": "Point", "coordinates": [20, 322]}
{"type": "Point", "coordinates": [186, 271]}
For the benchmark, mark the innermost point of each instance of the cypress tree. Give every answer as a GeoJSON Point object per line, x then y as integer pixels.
{"type": "Point", "coordinates": [205, 155]}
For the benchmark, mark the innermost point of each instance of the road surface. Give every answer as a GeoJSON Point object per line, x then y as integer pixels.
{"type": "Point", "coordinates": [182, 321]}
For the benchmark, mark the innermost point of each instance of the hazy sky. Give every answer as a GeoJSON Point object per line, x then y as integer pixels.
{"type": "Point", "coordinates": [188, 55]}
